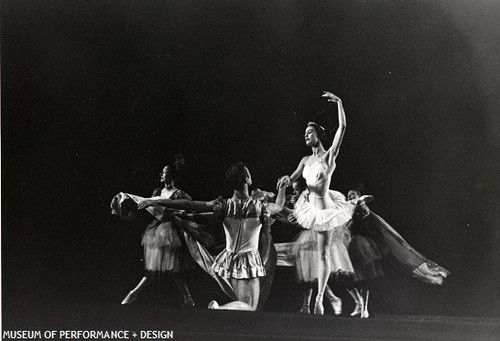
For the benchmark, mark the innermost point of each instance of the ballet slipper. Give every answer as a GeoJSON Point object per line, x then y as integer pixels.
{"type": "Point", "coordinates": [318, 306]}
{"type": "Point", "coordinates": [358, 309]}
{"type": "Point", "coordinates": [213, 305]}
{"type": "Point", "coordinates": [305, 309]}
{"type": "Point", "coordinates": [131, 297]}
{"type": "Point", "coordinates": [337, 306]}
{"type": "Point", "coordinates": [364, 313]}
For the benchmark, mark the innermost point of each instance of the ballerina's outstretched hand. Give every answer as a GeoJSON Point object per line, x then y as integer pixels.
{"type": "Point", "coordinates": [331, 97]}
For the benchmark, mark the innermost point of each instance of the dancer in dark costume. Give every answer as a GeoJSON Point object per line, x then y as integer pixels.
{"type": "Point", "coordinates": [165, 251]}
{"type": "Point", "coordinates": [242, 261]}
{"type": "Point", "coordinates": [365, 256]}
{"type": "Point", "coordinates": [323, 211]}
{"type": "Point", "coordinates": [374, 243]}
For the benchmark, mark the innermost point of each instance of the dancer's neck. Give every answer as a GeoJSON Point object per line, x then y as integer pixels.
{"type": "Point", "coordinates": [241, 194]}
{"type": "Point", "coordinates": [169, 186]}
{"type": "Point", "coordinates": [318, 151]}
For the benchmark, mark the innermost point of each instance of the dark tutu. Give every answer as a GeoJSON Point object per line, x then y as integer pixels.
{"type": "Point", "coordinates": [366, 259]}
{"type": "Point", "coordinates": [164, 249]}
{"type": "Point", "coordinates": [397, 252]}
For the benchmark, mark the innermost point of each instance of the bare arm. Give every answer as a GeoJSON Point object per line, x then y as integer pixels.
{"type": "Point", "coordinates": [287, 180]}
{"type": "Point", "coordinates": [334, 149]}
{"type": "Point", "coordinates": [179, 204]}
{"type": "Point", "coordinates": [277, 207]}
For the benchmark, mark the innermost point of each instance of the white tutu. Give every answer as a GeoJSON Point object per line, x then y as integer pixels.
{"type": "Point", "coordinates": [335, 217]}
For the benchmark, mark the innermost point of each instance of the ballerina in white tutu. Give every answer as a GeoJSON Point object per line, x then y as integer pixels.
{"type": "Point", "coordinates": [323, 211]}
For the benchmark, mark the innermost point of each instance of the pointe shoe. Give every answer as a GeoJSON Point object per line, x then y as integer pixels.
{"type": "Point", "coordinates": [213, 305]}
{"type": "Point", "coordinates": [188, 304]}
{"type": "Point", "coordinates": [358, 310]}
{"type": "Point", "coordinates": [365, 314]}
{"type": "Point", "coordinates": [305, 309]}
{"type": "Point", "coordinates": [131, 297]}
{"type": "Point", "coordinates": [337, 306]}
{"type": "Point", "coordinates": [318, 306]}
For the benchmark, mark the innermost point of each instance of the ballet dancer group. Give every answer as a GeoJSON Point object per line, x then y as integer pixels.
{"type": "Point", "coordinates": [340, 237]}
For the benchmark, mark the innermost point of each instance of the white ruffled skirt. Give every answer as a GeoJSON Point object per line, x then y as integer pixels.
{"type": "Point", "coordinates": [243, 265]}
{"type": "Point", "coordinates": [335, 217]}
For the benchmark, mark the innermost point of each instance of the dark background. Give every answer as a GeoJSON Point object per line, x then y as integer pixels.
{"type": "Point", "coordinates": [97, 96]}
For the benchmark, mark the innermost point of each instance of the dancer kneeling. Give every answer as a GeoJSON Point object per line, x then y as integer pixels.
{"type": "Point", "coordinates": [325, 212]}
{"type": "Point", "coordinates": [243, 218]}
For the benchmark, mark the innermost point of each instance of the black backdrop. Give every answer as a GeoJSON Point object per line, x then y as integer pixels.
{"type": "Point", "coordinates": [98, 95]}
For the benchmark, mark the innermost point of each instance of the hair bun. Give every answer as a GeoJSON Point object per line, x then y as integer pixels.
{"type": "Point", "coordinates": [315, 125]}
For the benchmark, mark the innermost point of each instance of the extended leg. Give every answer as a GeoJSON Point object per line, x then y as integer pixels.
{"type": "Point", "coordinates": [132, 295]}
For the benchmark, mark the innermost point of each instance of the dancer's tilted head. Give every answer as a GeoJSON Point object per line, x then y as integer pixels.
{"type": "Point", "coordinates": [314, 134]}
{"type": "Point", "coordinates": [299, 186]}
{"type": "Point", "coordinates": [171, 172]}
{"type": "Point", "coordinates": [167, 174]}
{"type": "Point", "coordinates": [238, 176]}
{"type": "Point", "coordinates": [356, 192]}
{"type": "Point", "coordinates": [353, 194]}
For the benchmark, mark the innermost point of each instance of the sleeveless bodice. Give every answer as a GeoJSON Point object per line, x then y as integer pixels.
{"type": "Point", "coordinates": [318, 178]}
{"type": "Point", "coordinates": [241, 220]}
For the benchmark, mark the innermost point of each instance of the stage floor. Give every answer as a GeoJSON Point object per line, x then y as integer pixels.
{"type": "Point", "coordinates": [204, 324]}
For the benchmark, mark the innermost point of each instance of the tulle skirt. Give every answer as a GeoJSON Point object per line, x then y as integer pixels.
{"type": "Point", "coordinates": [305, 252]}
{"type": "Point", "coordinates": [164, 250]}
{"type": "Point", "coordinates": [335, 217]}
{"type": "Point", "coordinates": [366, 258]}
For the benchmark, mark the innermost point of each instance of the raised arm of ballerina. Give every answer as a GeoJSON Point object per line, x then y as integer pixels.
{"type": "Point", "coordinates": [334, 149]}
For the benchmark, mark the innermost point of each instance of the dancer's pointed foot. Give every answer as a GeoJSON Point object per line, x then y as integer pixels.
{"type": "Point", "coordinates": [318, 306]}
{"type": "Point", "coordinates": [213, 305]}
{"type": "Point", "coordinates": [305, 309]}
{"type": "Point", "coordinates": [337, 306]}
{"type": "Point", "coordinates": [188, 303]}
{"type": "Point", "coordinates": [365, 314]}
{"type": "Point", "coordinates": [358, 309]}
{"type": "Point", "coordinates": [131, 297]}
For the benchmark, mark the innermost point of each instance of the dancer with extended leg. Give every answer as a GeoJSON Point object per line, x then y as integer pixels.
{"type": "Point", "coordinates": [375, 244]}
{"type": "Point", "coordinates": [321, 211]}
